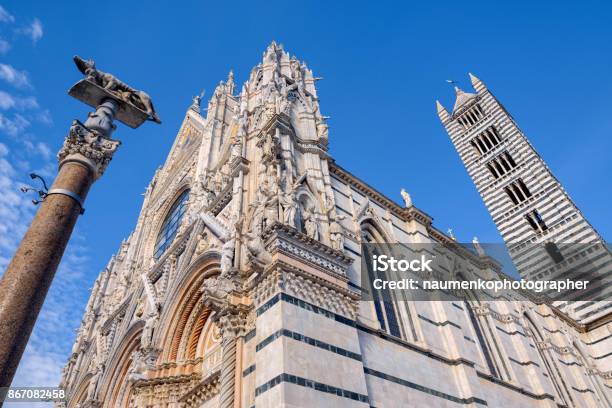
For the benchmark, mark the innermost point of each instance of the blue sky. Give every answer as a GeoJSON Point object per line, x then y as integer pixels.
{"type": "Point", "coordinates": [383, 64]}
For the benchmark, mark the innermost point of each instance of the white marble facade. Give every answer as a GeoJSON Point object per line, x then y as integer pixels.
{"type": "Point", "coordinates": [245, 291]}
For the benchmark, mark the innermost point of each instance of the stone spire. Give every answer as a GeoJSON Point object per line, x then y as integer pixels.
{"type": "Point", "coordinates": [442, 112]}
{"type": "Point", "coordinates": [230, 82]}
{"type": "Point", "coordinates": [474, 79]}
{"type": "Point", "coordinates": [478, 85]}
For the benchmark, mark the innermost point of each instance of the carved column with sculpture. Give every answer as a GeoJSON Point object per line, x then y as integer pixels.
{"type": "Point", "coordinates": [223, 295]}
{"type": "Point", "coordinates": [83, 158]}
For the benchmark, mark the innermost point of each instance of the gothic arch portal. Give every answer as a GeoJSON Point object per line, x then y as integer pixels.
{"type": "Point", "coordinates": [115, 389]}
{"type": "Point", "coordinates": [80, 395]}
{"type": "Point", "coordinates": [183, 322]}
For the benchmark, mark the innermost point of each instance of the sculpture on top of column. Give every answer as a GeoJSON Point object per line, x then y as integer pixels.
{"type": "Point", "coordinates": [119, 88]}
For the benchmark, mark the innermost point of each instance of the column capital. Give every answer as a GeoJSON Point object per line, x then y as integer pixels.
{"type": "Point", "coordinates": [88, 147]}
{"type": "Point", "coordinates": [232, 322]}
{"type": "Point", "coordinates": [224, 296]}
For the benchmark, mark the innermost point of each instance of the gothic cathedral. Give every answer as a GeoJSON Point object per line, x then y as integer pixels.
{"type": "Point", "coordinates": [240, 285]}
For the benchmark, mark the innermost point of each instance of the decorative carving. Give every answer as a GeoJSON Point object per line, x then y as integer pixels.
{"type": "Point", "coordinates": [290, 208]}
{"type": "Point", "coordinates": [142, 360]}
{"type": "Point", "coordinates": [311, 226]}
{"type": "Point", "coordinates": [336, 235]}
{"type": "Point", "coordinates": [92, 388]}
{"type": "Point", "coordinates": [146, 338]}
{"type": "Point", "coordinates": [90, 144]}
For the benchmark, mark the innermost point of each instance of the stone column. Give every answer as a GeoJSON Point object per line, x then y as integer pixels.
{"type": "Point", "coordinates": [85, 154]}
{"type": "Point", "coordinates": [232, 323]}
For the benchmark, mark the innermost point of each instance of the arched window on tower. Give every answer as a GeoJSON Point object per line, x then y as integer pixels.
{"type": "Point", "coordinates": [385, 309]}
{"type": "Point", "coordinates": [170, 226]}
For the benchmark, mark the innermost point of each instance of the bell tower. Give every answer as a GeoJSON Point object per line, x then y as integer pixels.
{"type": "Point", "coordinates": [547, 236]}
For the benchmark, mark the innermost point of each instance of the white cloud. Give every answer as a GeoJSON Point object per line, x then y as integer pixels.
{"type": "Point", "coordinates": [5, 16]}
{"type": "Point", "coordinates": [8, 101]}
{"type": "Point", "coordinates": [15, 208]}
{"type": "Point", "coordinates": [4, 46]}
{"type": "Point", "coordinates": [19, 79]}
{"type": "Point", "coordinates": [44, 151]}
{"type": "Point", "coordinates": [14, 126]}
{"type": "Point", "coordinates": [34, 30]}
{"type": "Point", "coordinates": [44, 116]}
{"type": "Point", "coordinates": [38, 148]}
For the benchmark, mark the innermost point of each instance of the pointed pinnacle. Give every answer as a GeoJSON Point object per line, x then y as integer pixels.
{"type": "Point", "coordinates": [474, 79]}
{"type": "Point", "coordinates": [441, 108]}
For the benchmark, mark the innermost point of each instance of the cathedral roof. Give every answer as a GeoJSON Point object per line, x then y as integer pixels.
{"type": "Point", "coordinates": [462, 98]}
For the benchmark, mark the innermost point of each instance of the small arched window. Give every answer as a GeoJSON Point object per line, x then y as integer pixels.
{"type": "Point", "coordinates": [170, 225]}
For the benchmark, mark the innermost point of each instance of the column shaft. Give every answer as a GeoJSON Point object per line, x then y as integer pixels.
{"type": "Point", "coordinates": [27, 279]}
{"type": "Point", "coordinates": [227, 380]}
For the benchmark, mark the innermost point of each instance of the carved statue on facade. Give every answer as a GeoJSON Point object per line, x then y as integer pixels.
{"type": "Point", "coordinates": [138, 366]}
{"type": "Point", "coordinates": [227, 254]}
{"type": "Point", "coordinates": [202, 244]}
{"type": "Point", "coordinates": [269, 148]}
{"type": "Point", "coordinates": [479, 250]}
{"type": "Point", "coordinates": [92, 388]}
{"type": "Point", "coordinates": [290, 208]}
{"type": "Point", "coordinates": [323, 130]}
{"type": "Point", "coordinates": [256, 249]}
{"type": "Point", "coordinates": [271, 207]}
{"type": "Point", "coordinates": [146, 338]}
{"type": "Point", "coordinates": [336, 233]}
{"type": "Point", "coordinates": [119, 88]}
{"type": "Point", "coordinates": [311, 226]}
{"type": "Point", "coordinates": [406, 197]}
{"type": "Point", "coordinates": [100, 347]}
{"type": "Point", "coordinates": [236, 149]}
{"type": "Point", "coordinates": [120, 289]}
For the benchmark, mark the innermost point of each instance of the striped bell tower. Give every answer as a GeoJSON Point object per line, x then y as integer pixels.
{"type": "Point", "coordinates": [547, 236]}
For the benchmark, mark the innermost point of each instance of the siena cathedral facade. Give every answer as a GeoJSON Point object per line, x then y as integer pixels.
{"type": "Point", "coordinates": [240, 285]}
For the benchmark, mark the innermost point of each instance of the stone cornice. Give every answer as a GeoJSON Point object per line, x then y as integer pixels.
{"type": "Point", "coordinates": [173, 379]}
{"type": "Point", "coordinates": [482, 262]}
{"type": "Point", "coordinates": [222, 200]}
{"type": "Point", "coordinates": [403, 213]}
{"type": "Point", "coordinates": [239, 164]}
{"type": "Point", "coordinates": [326, 256]}
{"type": "Point", "coordinates": [203, 391]}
